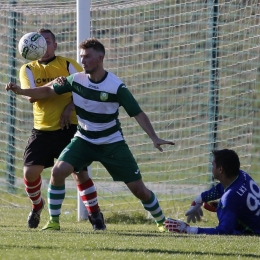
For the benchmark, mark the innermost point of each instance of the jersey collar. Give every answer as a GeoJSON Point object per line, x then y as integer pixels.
{"type": "Point", "coordinates": [47, 61]}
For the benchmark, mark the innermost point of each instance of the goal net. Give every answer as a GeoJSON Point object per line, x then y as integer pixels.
{"type": "Point", "coordinates": [192, 66]}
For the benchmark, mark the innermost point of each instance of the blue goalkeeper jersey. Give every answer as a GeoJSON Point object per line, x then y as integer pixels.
{"type": "Point", "coordinates": [238, 209]}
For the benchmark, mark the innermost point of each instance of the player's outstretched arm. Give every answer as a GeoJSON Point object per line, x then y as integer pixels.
{"type": "Point", "coordinates": [38, 93]}
{"type": "Point", "coordinates": [14, 88]}
{"type": "Point", "coordinates": [143, 120]}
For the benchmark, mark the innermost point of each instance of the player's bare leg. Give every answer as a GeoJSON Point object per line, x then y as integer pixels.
{"type": "Point", "coordinates": [139, 190]}
{"type": "Point", "coordinates": [149, 201]}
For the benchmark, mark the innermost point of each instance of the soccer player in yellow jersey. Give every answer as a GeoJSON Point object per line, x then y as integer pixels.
{"type": "Point", "coordinates": [55, 124]}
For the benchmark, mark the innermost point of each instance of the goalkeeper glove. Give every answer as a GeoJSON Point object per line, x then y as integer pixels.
{"type": "Point", "coordinates": [195, 212]}
{"type": "Point", "coordinates": [178, 226]}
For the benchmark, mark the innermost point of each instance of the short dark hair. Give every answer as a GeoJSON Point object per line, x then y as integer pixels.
{"type": "Point", "coordinates": [92, 43]}
{"type": "Point", "coordinates": [42, 30]}
{"type": "Point", "coordinates": [229, 160]}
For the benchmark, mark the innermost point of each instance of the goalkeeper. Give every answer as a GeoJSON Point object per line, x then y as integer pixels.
{"type": "Point", "coordinates": [238, 209]}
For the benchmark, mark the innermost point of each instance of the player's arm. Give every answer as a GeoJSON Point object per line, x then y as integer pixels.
{"type": "Point", "coordinates": [228, 211]}
{"type": "Point", "coordinates": [226, 226]}
{"type": "Point", "coordinates": [194, 213]}
{"type": "Point", "coordinates": [143, 120]}
{"type": "Point", "coordinates": [133, 109]}
{"type": "Point", "coordinates": [32, 100]}
{"type": "Point", "coordinates": [66, 114]}
{"type": "Point", "coordinates": [43, 92]}
{"type": "Point", "coordinates": [214, 193]}
{"type": "Point", "coordinates": [227, 216]}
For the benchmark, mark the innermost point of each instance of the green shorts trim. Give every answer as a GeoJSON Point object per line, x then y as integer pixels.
{"type": "Point", "coordinates": [116, 158]}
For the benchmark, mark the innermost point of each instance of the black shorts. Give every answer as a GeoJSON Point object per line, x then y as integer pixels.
{"type": "Point", "coordinates": [43, 147]}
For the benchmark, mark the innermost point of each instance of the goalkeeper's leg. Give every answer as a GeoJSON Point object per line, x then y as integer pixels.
{"type": "Point", "coordinates": [149, 202]}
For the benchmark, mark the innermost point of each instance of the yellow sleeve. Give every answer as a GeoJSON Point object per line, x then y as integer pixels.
{"type": "Point", "coordinates": [24, 80]}
{"type": "Point", "coordinates": [77, 66]}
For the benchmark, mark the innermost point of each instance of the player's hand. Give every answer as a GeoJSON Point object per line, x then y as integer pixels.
{"type": "Point", "coordinates": [177, 226]}
{"type": "Point", "coordinates": [66, 114]}
{"type": "Point", "coordinates": [13, 87]}
{"type": "Point", "coordinates": [145, 123]}
{"type": "Point", "coordinates": [158, 142]}
{"type": "Point", "coordinates": [60, 80]}
{"type": "Point", "coordinates": [195, 212]}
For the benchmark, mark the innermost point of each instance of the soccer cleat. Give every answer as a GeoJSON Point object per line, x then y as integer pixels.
{"type": "Point", "coordinates": [161, 227]}
{"type": "Point", "coordinates": [97, 220]}
{"type": "Point", "coordinates": [52, 225]}
{"type": "Point", "coordinates": [33, 219]}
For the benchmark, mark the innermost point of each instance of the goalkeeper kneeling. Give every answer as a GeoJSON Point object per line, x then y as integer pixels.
{"type": "Point", "coordinates": [238, 195]}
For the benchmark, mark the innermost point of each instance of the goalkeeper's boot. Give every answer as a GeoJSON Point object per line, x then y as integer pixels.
{"type": "Point", "coordinates": [33, 219]}
{"type": "Point", "coordinates": [161, 227]}
{"type": "Point", "coordinates": [97, 220]}
{"type": "Point", "coordinates": [52, 225]}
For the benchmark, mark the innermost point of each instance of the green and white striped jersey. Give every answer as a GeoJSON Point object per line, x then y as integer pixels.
{"type": "Point", "coordinates": [97, 104]}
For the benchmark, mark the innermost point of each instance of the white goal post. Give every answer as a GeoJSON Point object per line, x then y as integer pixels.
{"type": "Point", "coordinates": [83, 32]}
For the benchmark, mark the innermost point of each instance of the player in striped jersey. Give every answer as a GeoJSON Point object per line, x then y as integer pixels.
{"type": "Point", "coordinates": [238, 210]}
{"type": "Point", "coordinates": [55, 124]}
{"type": "Point", "coordinates": [97, 95]}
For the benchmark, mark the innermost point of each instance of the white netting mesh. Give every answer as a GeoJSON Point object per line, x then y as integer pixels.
{"type": "Point", "coordinates": [164, 52]}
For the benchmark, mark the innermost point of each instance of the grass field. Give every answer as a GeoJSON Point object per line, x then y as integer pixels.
{"type": "Point", "coordinates": [122, 240]}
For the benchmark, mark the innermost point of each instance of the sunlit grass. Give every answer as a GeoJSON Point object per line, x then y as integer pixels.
{"type": "Point", "coordinates": [121, 240]}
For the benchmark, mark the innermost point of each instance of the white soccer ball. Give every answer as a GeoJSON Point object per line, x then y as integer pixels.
{"type": "Point", "coordinates": [32, 46]}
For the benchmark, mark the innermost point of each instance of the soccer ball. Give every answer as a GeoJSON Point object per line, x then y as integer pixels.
{"type": "Point", "coordinates": [32, 46]}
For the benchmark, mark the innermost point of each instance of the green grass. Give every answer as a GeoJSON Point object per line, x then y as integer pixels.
{"type": "Point", "coordinates": [122, 240]}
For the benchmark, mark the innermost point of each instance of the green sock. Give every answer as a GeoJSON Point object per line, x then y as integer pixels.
{"type": "Point", "coordinates": [152, 205]}
{"type": "Point", "coordinates": [56, 194]}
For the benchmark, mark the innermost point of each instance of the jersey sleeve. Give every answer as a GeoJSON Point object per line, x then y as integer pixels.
{"type": "Point", "coordinates": [67, 87]}
{"type": "Point", "coordinates": [226, 225]}
{"type": "Point", "coordinates": [127, 101]}
{"type": "Point", "coordinates": [26, 77]}
{"type": "Point", "coordinates": [213, 194]}
{"type": "Point", "coordinates": [74, 67]}
{"type": "Point", "coordinates": [227, 212]}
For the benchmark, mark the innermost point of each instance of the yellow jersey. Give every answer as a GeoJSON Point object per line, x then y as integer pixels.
{"type": "Point", "coordinates": [47, 112]}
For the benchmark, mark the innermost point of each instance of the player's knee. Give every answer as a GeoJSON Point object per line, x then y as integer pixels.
{"type": "Point", "coordinates": [61, 170]}
{"type": "Point", "coordinates": [80, 177]}
{"type": "Point", "coordinates": [32, 173]}
{"type": "Point", "coordinates": [55, 172]}
{"type": "Point", "coordinates": [58, 173]}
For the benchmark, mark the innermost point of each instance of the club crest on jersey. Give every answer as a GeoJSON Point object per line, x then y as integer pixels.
{"type": "Point", "coordinates": [103, 96]}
